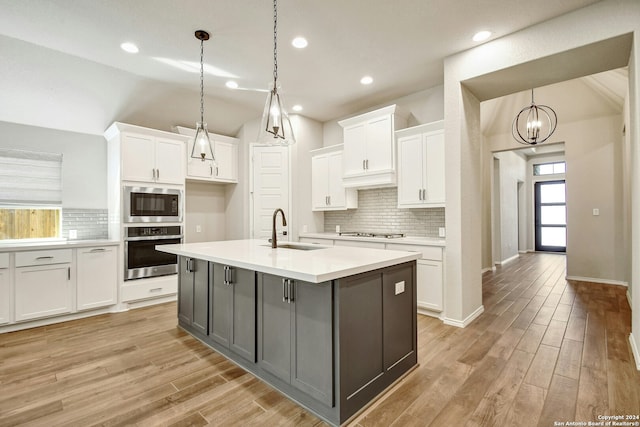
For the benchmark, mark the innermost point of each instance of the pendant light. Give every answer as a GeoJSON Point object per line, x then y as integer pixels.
{"type": "Point", "coordinates": [275, 128]}
{"type": "Point", "coordinates": [534, 124]}
{"type": "Point", "coordinates": [202, 147]}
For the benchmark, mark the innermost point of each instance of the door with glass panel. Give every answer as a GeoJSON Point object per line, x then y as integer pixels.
{"type": "Point", "coordinates": [551, 216]}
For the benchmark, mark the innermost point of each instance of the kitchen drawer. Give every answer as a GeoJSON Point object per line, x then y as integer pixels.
{"type": "Point", "coordinates": [359, 244]}
{"type": "Point", "coordinates": [428, 252]}
{"type": "Point", "coordinates": [55, 256]}
{"type": "Point", "coordinates": [4, 260]}
{"type": "Point", "coordinates": [133, 290]}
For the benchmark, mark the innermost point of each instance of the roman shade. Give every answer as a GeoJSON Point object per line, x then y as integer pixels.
{"type": "Point", "coordinates": [30, 178]}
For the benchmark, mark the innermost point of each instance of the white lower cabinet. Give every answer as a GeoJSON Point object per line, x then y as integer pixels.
{"type": "Point", "coordinates": [97, 279]}
{"type": "Point", "coordinates": [5, 289]}
{"type": "Point", "coordinates": [43, 290]}
{"type": "Point", "coordinates": [429, 289]}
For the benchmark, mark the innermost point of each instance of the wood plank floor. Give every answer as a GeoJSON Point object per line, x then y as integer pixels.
{"type": "Point", "coordinates": [545, 350]}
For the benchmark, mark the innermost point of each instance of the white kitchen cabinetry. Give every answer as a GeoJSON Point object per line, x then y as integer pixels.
{"type": "Point", "coordinates": [5, 289]}
{"type": "Point", "coordinates": [44, 283]}
{"type": "Point", "coordinates": [226, 152]}
{"type": "Point", "coordinates": [369, 148]}
{"type": "Point", "coordinates": [146, 155]}
{"type": "Point", "coordinates": [430, 282]}
{"type": "Point", "coordinates": [97, 280]}
{"type": "Point", "coordinates": [421, 166]}
{"type": "Point", "coordinates": [327, 191]}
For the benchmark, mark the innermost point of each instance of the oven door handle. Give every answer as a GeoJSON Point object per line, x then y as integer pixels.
{"type": "Point", "coordinates": [139, 238]}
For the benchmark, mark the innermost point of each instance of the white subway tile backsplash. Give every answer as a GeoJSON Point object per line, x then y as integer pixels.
{"type": "Point", "coordinates": [378, 212]}
{"type": "Point", "coordinates": [88, 223]}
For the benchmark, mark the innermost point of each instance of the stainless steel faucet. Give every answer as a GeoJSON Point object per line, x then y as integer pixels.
{"type": "Point", "coordinates": [274, 241]}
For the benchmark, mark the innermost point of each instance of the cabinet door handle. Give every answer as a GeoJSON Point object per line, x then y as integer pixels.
{"type": "Point", "coordinates": [155, 290]}
{"type": "Point", "coordinates": [158, 173]}
{"type": "Point", "coordinates": [210, 170]}
{"type": "Point", "coordinates": [41, 258]}
{"type": "Point", "coordinates": [291, 290]}
{"type": "Point", "coordinates": [97, 250]}
{"type": "Point", "coordinates": [420, 194]}
{"type": "Point", "coordinates": [424, 194]}
{"type": "Point", "coordinates": [366, 163]}
{"type": "Point", "coordinates": [216, 171]}
{"type": "Point", "coordinates": [363, 164]}
{"type": "Point", "coordinates": [68, 273]}
{"type": "Point", "coordinates": [285, 290]}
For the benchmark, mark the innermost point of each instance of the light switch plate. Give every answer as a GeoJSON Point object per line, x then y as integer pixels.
{"type": "Point", "coordinates": [441, 232]}
{"type": "Point", "coordinates": [596, 212]}
{"type": "Point", "coordinates": [399, 287]}
{"type": "Point", "coordinates": [198, 229]}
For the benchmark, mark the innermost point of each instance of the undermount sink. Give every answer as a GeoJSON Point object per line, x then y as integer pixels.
{"type": "Point", "coordinates": [297, 246]}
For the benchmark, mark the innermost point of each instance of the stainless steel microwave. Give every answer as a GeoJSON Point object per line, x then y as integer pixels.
{"type": "Point", "coordinates": [150, 204]}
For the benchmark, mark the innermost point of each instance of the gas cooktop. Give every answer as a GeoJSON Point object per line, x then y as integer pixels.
{"type": "Point", "coordinates": [371, 234]}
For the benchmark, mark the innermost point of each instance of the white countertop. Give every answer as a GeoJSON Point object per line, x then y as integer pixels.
{"type": "Point", "coordinates": [316, 266]}
{"type": "Point", "coordinates": [55, 244]}
{"type": "Point", "coordinates": [408, 240]}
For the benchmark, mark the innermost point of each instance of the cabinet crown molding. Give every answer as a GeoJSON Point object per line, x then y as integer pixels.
{"type": "Point", "coordinates": [424, 128]}
{"type": "Point", "coordinates": [391, 109]}
{"type": "Point", "coordinates": [117, 128]}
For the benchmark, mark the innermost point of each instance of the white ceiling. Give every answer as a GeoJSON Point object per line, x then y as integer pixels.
{"type": "Point", "coordinates": [400, 43]}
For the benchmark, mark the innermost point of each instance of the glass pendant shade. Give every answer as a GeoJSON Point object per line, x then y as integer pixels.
{"type": "Point", "coordinates": [202, 147]}
{"type": "Point", "coordinates": [275, 128]}
{"type": "Point", "coordinates": [534, 124]}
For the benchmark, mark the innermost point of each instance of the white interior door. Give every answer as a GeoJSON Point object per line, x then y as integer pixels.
{"type": "Point", "coordinates": [270, 188]}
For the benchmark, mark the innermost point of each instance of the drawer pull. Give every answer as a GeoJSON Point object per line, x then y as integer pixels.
{"type": "Point", "coordinates": [97, 250]}
{"type": "Point", "coordinates": [155, 290]}
{"type": "Point", "coordinates": [42, 258]}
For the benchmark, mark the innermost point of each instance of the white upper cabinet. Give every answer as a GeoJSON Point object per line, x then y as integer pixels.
{"type": "Point", "coordinates": [146, 155]}
{"type": "Point", "coordinates": [369, 148]}
{"type": "Point", "coordinates": [421, 166]}
{"type": "Point", "coordinates": [226, 152]}
{"type": "Point", "coordinates": [327, 191]}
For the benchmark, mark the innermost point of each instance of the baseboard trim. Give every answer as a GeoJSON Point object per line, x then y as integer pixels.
{"type": "Point", "coordinates": [464, 323]}
{"type": "Point", "coordinates": [629, 299]}
{"type": "Point", "coordinates": [484, 270]}
{"type": "Point", "coordinates": [594, 280]}
{"type": "Point", "coordinates": [504, 261]}
{"type": "Point", "coordinates": [634, 349]}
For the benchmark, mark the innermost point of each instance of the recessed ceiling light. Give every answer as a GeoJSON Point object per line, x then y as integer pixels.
{"type": "Point", "coordinates": [366, 80]}
{"type": "Point", "coordinates": [481, 36]}
{"type": "Point", "coordinates": [129, 47]}
{"type": "Point", "coordinates": [300, 42]}
{"type": "Point", "coordinates": [297, 107]}
{"type": "Point", "coordinates": [231, 84]}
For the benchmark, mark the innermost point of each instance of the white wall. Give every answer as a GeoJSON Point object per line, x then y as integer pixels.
{"type": "Point", "coordinates": [512, 171]}
{"type": "Point", "coordinates": [205, 207]}
{"type": "Point", "coordinates": [593, 153]}
{"type": "Point", "coordinates": [84, 160]}
{"type": "Point", "coordinates": [572, 35]}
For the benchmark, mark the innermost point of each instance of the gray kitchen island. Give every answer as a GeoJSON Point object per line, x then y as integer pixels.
{"type": "Point", "coordinates": [330, 327]}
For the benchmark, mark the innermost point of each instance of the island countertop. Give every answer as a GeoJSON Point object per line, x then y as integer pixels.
{"type": "Point", "coordinates": [321, 264]}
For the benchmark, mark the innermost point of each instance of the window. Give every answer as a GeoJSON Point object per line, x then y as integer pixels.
{"type": "Point", "coordinates": [549, 168]}
{"type": "Point", "coordinates": [30, 195]}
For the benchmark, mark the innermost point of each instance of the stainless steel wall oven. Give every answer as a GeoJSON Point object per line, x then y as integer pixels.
{"type": "Point", "coordinates": [150, 204]}
{"type": "Point", "coordinates": [141, 259]}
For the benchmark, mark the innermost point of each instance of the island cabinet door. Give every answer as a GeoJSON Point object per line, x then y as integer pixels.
{"type": "Point", "coordinates": [312, 338]}
{"type": "Point", "coordinates": [185, 291]}
{"type": "Point", "coordinates": [233, 309]}
{"type": "Point", "coordinates": [274, 326]}
{"type": "Point", "coordinates": [193, 294]}
{"type": "Point", "coordinates": [200, 295]}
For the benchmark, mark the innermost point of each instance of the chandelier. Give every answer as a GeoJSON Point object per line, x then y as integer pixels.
{"type": "Point", "coordinates": [534, 124]}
